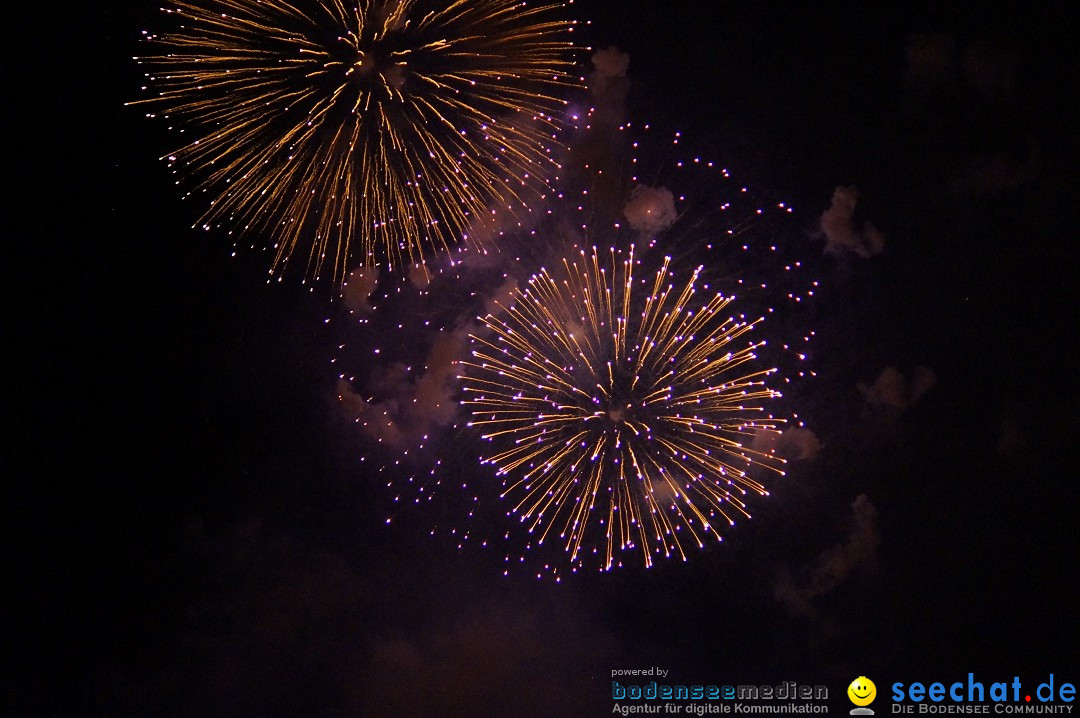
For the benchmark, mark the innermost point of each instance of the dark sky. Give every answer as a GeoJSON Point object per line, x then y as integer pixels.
{"type": "Point", "coordinates": [194, 533]}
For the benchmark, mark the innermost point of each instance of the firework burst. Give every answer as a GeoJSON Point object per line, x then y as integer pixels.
{"type": "Point", "coordinates": [621, 409]}
{"type": "Point", "coordinates": [368, 132]}
{"type": "Point", "coordinates": [398, 388]}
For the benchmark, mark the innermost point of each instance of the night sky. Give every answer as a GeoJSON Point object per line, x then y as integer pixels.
{"type": "Point", "coordinates": [194, 534]}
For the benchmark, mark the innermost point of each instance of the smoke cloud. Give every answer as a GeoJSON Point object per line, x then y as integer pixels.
{"type": "Point", "coordinates": [650, 209]}
{"type": "Point", "coordinates": [358, 288]}
{"type": "Point", "coordinates": [843, 234]}
{"type": "Point", "coordinates": [832, 567]}
{"type": "Point", "coordinates": [893, 389]}
{"type": "Point", "coordinates": [794, 444]}
{"type": "Point", "coordinates": [609, 85]}
{"type": "Point", "coordinates": [414, 407]}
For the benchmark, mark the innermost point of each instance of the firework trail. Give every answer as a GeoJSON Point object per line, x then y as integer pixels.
{"type": "Point", "coordinates": [370, 133]}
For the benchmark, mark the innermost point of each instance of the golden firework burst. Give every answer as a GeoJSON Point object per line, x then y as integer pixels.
{"type": "Point", "coordinates": [368, 132]}
{"type": "Point", "coordinates": [621, 410]}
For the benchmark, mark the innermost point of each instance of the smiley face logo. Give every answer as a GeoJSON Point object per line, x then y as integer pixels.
{"type": "Point", "coordinates": [862, 691]}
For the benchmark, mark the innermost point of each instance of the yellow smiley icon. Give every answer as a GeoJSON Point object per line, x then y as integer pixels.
{"type": "Point", "coordinates": [862, 691]}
